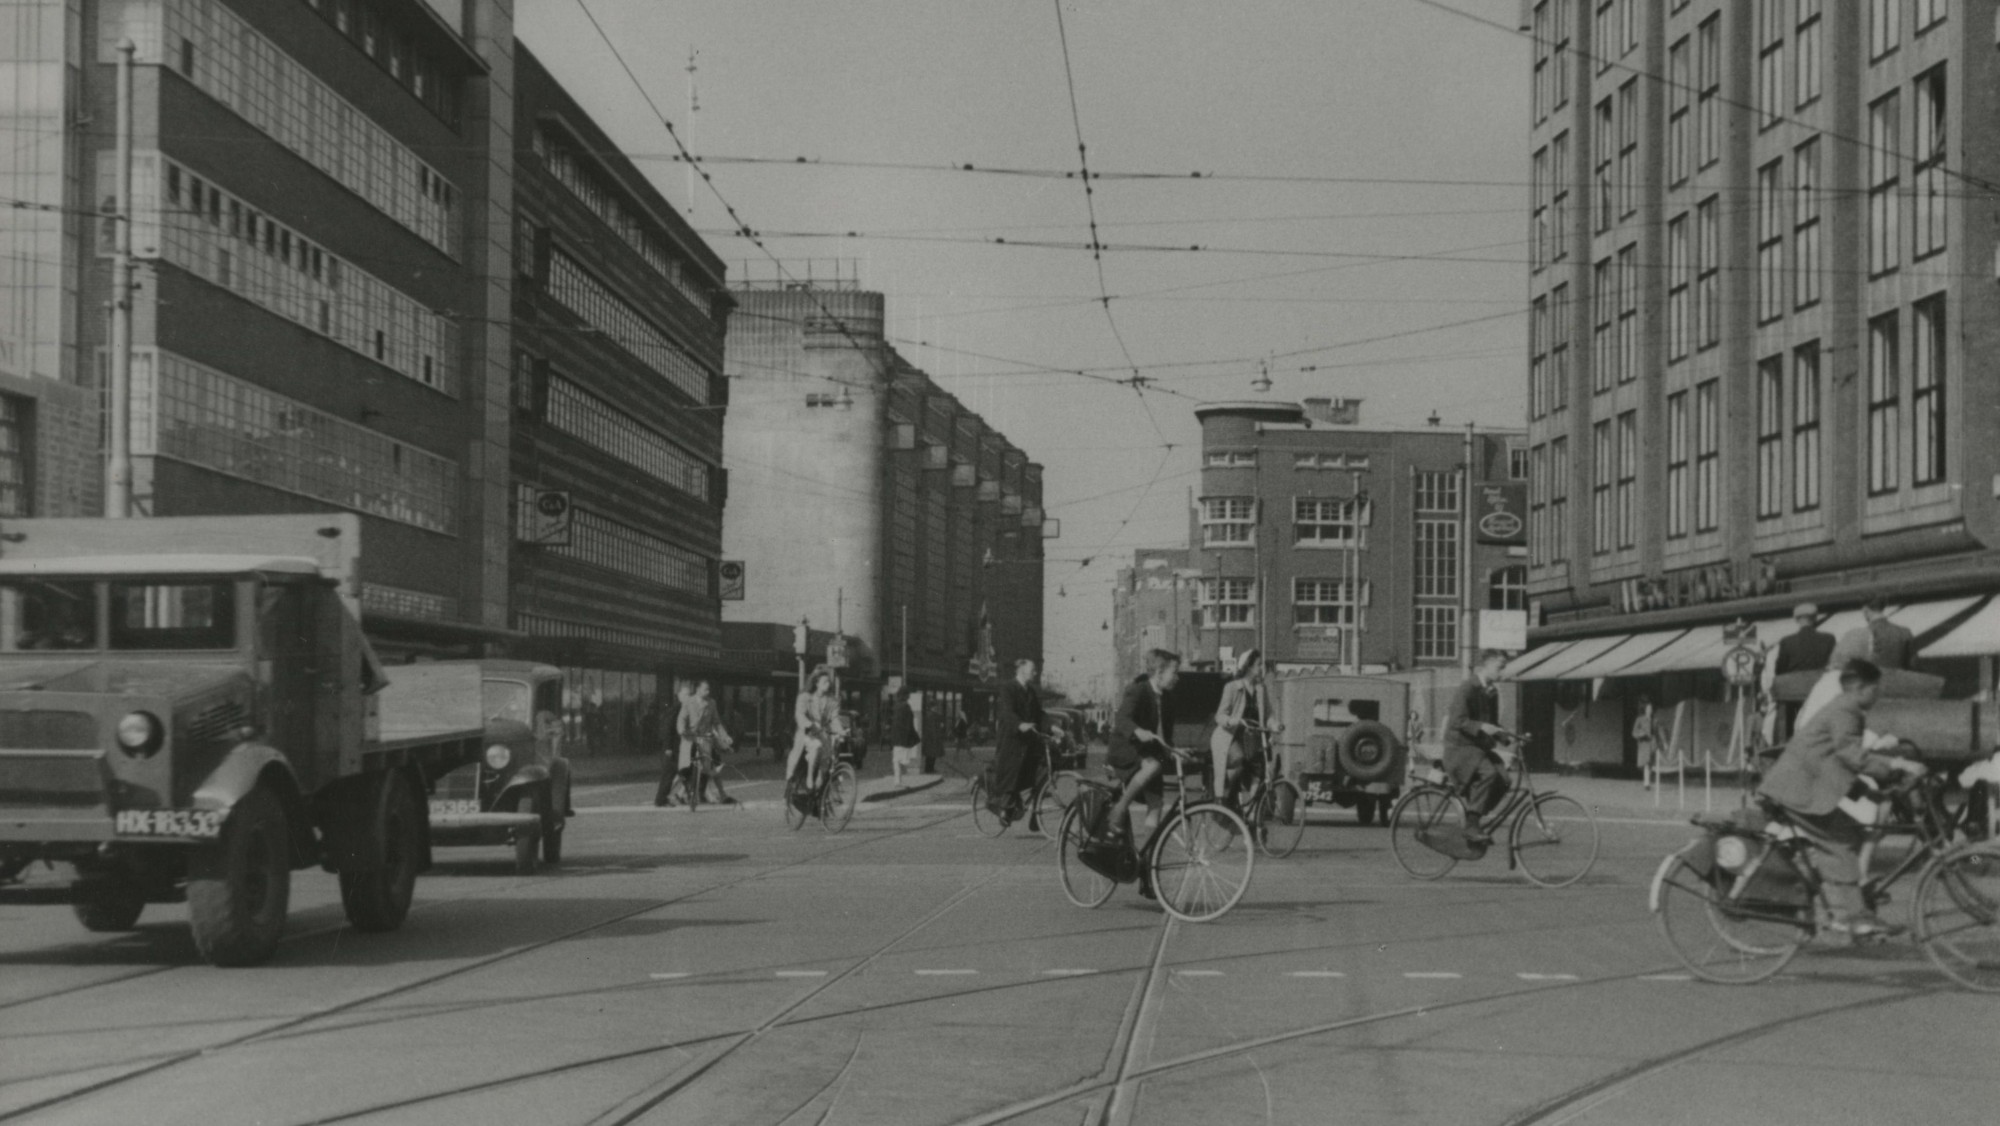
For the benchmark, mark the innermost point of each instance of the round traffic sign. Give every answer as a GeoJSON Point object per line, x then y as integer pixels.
{"type": "Point", "coordinates": [1739, 665]}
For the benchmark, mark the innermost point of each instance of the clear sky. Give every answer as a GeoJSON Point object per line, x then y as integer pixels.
{"type": "Point", "coordinates": [1362, 211]}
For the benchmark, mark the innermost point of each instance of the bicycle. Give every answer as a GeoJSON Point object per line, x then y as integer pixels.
{"type": "Point", "coordinates": [1551, 838]}
{"type": "Point", "coordinates": [1044, 807]}
{"type": "Point", "coordinates": [1190, 857]}
{"type": "Point", "coordinates": [1271, 804]}
{"type": "Point", "coordinates": [1739, 902]}
{"type": "Point", "coordinates": [831, 796]}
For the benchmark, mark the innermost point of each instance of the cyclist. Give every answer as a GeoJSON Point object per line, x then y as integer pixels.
{"type": "Point", "coordinates": [1139, 746]}
{"type": "Point", "coordinates": [1813, 775]}
{"type": "Point", "coordinates": [1470, 737]}
{"type": "Point", "coordinates": [1019, 720]}
{"type": "Point", "coordinates": [812, 717]}
{"type": "Point", "coordinates": [1241, 724]}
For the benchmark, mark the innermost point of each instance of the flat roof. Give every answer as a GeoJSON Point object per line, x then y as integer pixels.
{"type": "Point", "coordinates": [100, 566]}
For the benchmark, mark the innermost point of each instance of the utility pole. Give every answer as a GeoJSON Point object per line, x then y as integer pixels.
{"type": "Point", "coordinates": [694, 104]}
{"type": "Point", "coordinates": [118, 492]}
{"type": "Point", "coordinates": [1465, 616]}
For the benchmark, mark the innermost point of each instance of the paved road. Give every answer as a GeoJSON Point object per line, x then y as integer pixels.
{"type": "Point", "coordinates": [715, 968]}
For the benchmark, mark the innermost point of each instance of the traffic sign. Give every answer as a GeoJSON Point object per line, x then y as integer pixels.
{"type": "Point", "coordinates": [732, 580]}
{"type": "Point", "coordinates": [1739, 665]}
{"type": "Point", "coordinates": [836, 652]}
{"type": "Point", "coordinates": [548, 518]}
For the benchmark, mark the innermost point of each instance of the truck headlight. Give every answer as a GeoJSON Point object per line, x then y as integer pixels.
{"type": "Point", "coordinates": [1732, 854]}
{"type": "Point", "coordinates": [139, 733]}
{"type": "Point", "coordinates": [498, 756]}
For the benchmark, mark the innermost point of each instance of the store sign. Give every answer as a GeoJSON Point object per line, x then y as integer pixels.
{"type": "Point", "coordinates": [1700, 586]}
{"type": "Point", "coordinates": [1501, 517]}
{"type": "Point", "coordinates": [732, 584]}
{"type": "Point", "coordinates": [1316, 642]}
{"type": "Point", "coordinates": [549, 518]}
{"type": "Point", "coordinates": [1505, 630]}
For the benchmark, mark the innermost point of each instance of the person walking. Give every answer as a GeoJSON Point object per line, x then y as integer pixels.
{"type": "Point", "coordinates": [1646, 735]}
{"type": "Point", "coordinates": [1019, 708]}
{"type": "Point", "coordinates": [701, 733]}
{"type": "Point", "coordinates": [906, 737]}
{"type": "Point", "coordinates": [672, 762]}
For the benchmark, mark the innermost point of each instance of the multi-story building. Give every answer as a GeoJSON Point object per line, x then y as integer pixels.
{"type": "Point", "coordinates": [1760, 275]}
{"type": "Point", "coordinates": [618, 401]}
{"type": "Point", "coordinates": [1323, 541]}
{"type": "Point", "coordinates": [867, 499]}
{"type": "Point", "coordinates": [1156, 604]}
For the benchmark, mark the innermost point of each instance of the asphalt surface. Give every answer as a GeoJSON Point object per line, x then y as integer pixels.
{"type": "Point", "coordinates": [716, 967]}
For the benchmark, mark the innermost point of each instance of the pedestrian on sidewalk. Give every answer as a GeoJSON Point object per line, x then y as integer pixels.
{"type": "Point", "coordinates": [1646, 733]}
{"type": "Point", "coordinates": [672, 762]}
{"type": "Point", "coordinates": [906, 738]}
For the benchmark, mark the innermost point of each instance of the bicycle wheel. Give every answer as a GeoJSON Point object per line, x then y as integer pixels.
{"type": "Point", "coordinates": [838, 797]}
{"type": "Point", "coordinates": [1424, 821]}
{"type": "Point", "coordinates": [796, 800]}
{"type": "Point", "coordinates": [1064, 786]}
{"type": "Point", "coordinates": [984, 819]}
{"type": "Point", "coordinates": [1201, 863]}
{"type": "Point", "coordinates": [1715, 940]}
{"type": "Point", "coordinates": [1046, 812]}
{"type": "Point", "coordinates": [1082, 884]}
{"type": "Point", "coordinates": [1555, 841]}
{"type": "Point", "coordinates": [1281, 819]}
{"type": "Point", "coordinates": [1956, 915]}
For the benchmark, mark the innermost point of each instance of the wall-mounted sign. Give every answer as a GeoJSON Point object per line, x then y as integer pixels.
{"type": "Point", "coordinates": [732, 584]}
{"type": "Point", "coordinates": [1501, 514]}
{"type": "Point", "coordinates": [1505, 630]}
{"type": "Point", "coordinates": [548, 518]}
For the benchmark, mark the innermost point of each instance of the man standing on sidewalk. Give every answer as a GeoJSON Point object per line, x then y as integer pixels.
{"type": "Point", "coordinates": [906, 738]}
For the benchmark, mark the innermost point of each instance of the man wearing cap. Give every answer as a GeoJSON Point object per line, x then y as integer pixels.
{"type": "Point", "coordinates": [1807, 650]}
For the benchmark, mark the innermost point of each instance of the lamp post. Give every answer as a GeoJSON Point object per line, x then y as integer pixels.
{"type": "Point", "coordinates": [1356, 503]}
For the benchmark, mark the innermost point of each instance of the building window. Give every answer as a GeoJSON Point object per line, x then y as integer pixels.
{"type": "Point", "coordinates": [14, 431]}
{"type": "Point", "coordinates": [1927, 392]}
{"type": "Point", "coordinates": [605, 428]}
{"type": "Point", "coordinates": [1628, 148]}
{"type": "Point", "coordinates": [1628, 479]}
{"type": "Point", "coordinates": [580, 175]}
{"type": "Point", "coordinates": [1604, 351]}
{"type": "Point", "coordinates": [1560, 54]}
{"type": "Point", "coordinates": [1708, 273]}
{"type": "Point", "coordinates": [1324, 602]}
{"type": "Point", "coordinates": [1508, 589]}
{"type": "Point", "coordinates": [1436, 633]}
{"type": "Point", "coordinates": [1538, 357]}
{"type": "Point", "coordinates": [1227, 520]}
{"type": "Point", "coordinates": [1929, 14]}
{"type": "Point", "coordinates": [1885, 406]}
{"type": "Point", "coordinates": [1517, 463]}
{"type": "Point", "coordinates": [1771, 437]}
{"type": "Point", "coordinates": [1628, 313]}
{"type": "Point", "coordinates": [1677, 465]}
{"type": "Point", "coordinates": [1540, 92]}
{"type": "Point", "coordinates": [1927, 186]}
{"type": "Point", "coordinates": [1805, 225]}
{"type": "Point", "coordinates": [1558, 499]}
{"type": "Point", "coordinates": [1884, 139]}
{"type": "Point", "coordinates": [1678, 279]}
{"type": "Point", "coordinates": [1539, 552]}
{"type": "Point", "coordinates": [1707, 456]}
{"type": "Point", "coordinates": [1604, 459]}
{"type": "Point", "coordinates": [1231, 459]}
{"type": "Point", "coordinates": [1883, 33]}
{"type": "Point", "coordinates": [1559, 204]}
{"type": "Point", "coordinates": [1559, 350]}
{"type": "Point", "coordinates": [1437, 558]}
{"type": "Point", "coordinates": [1538, 222]}
{"type": "Point", "coordinates": [1604, 36]}
{"type": "Point", "coordinates": [602, 542]}
{"type": "Point", "coordinates": [1680, 96]}
{"type": "Point", "coordinates": [1708, 99]}
{"type": "Point", "coordinates": [1437, 491]}
{"type": "Point", "coordinates": [1805, 427]}
{"type": "Point", "coordinates": [1606, 143]}
{"type": "Point", "coordinates": [1328, 523]}
{"type": "Point", "coordinates": [605, 311]}
{"type": "Point", "coordinates": [1809, 81]}
{"type": "Point", "coordinates": [1228, 602]}
{"type": "Point", "coordinates": [1770, 242]}
{"type": "Point", "coordinates": [1771, 62]}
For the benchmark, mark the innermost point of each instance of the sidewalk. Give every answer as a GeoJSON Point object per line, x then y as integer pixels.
{"type": "Point", "coordinates": [759, 773]}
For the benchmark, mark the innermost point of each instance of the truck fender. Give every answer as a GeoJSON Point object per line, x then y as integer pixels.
{"type": "Point", "coordinates": [248, 766]}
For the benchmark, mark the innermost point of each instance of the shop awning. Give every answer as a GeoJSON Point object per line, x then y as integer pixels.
{"type": "Point", "coordinates": [1558, 666]}
{"type": "Point", "coordinates": [1519, 667]}
{"type": "Point", "coordinates": [1977, 636]}
{"type": "Point", "coordinates": [1615, 660]}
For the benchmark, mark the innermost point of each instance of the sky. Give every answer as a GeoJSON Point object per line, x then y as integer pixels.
{"type": "Point", "coordinates": [1361, 213]}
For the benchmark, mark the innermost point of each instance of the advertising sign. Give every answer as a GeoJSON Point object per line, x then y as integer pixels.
{"type": "Point", "coordinates": [1501, 516]}
{"type": "Point", "coordinates": [732, 580]}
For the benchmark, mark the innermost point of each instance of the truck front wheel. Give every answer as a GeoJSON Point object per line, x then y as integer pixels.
{"type": "Point", "coordinates": [240, 888]}
{"type": "Point", "coordinates": [377, 898]}
{"type": "Point", "coordinates": [108, 901]}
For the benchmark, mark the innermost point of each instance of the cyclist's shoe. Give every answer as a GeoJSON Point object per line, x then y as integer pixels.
{"type": "Point", "coordinates": [1864, 926]}
{"type": "Point", "coordinates": [1477, 834]}
{"type": "Point", "coordinates": [1146, 890]}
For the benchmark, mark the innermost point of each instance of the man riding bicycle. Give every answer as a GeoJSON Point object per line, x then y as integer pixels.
{"type": "Point", "coordinates": [1139, 747]}
{"type": "Point", "coordinates": [1019, 721]}
{"type": "Point", "coordinates": [1472, 734]}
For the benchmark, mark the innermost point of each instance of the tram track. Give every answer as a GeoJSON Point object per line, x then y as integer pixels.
{"type": "Point", "coordinates": [177, 1059]}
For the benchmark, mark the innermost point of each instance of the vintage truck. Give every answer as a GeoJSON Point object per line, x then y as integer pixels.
{"type": "Point", "coordinates": [189, 710]}
{"type": "Point", "coordinates": [518, 793]}
{"type": "Point", "coordinates": [1340, 742]}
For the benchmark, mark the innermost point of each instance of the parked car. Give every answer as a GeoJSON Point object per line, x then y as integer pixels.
{"type": "Point", "coordinates": [518, 794]}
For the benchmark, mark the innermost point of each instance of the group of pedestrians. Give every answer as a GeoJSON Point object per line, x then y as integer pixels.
{"type": "Point", "coordinates": [691, 765]}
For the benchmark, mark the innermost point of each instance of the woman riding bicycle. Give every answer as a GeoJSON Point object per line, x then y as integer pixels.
{"type": "Point", "coordinates": [812, 717]}
{"type": "Point", "coordinates": [1241, 724]}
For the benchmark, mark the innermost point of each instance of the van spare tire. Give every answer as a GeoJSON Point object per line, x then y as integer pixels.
{"type": "Point", "coordinates": [1367, 752]}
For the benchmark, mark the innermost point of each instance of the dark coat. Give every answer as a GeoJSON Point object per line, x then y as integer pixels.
{"type": "Point", "coordinates": [1821, 761]}
{"type": "Point", "coordinates": [1017, 704]}
{"type": "Point", "coordinates": [1892, 644]}
{"type": "Point", "coordinates": [1805, 651]}
{"type": "Point", "coordinates": [1139, 707]}
{"type": "Point", "coordinates": [1465, 744]}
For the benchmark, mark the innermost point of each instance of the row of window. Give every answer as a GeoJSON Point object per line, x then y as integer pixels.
{"type": "Point", "coordinates": [1316, 522]}
{"type": "Point", "coordinates": [216, 236]}
{"type": "Point", "coordinates": [1924, 393]}
{"type": "Point", "coordinates": [1694, 101]}
{"type": "Point", "coordinates": [1239, 459]}
{"type": "Point", "coordinates": [1802, 19]}
{"type": "Point", "coordinates": [600, 541]}
{"type": "Point", "coordinates": [580, 414]}
{"type": "Point", "coordinates": [225, 58]}
{"type": "Point", "coordinates": [197, 414]}
{"type": "Point", "coordinates": [1551, 26]}
{"type": "Point", "coordinates": [574, 172]}
{"type": "Point", "coordinates": [661, 642]}
{"type": "Point", "coordinates": [402, 602]}
{"type": "Point", "coordinates": [1232, 603]}
{"type": "Point", "coordinates": [605, 311]}
{"type": "Point", "coordinates": [378, 37]}
{"type": "Point", "coordinates": [1927, 173]}
{"type": "Point", "coordinates": [1885, 18]}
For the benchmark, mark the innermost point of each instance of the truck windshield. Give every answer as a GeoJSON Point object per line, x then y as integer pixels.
{"type": "Point", "coordinates": [196, 615]}
{"type": "Point", "coordinates": [507, 700]}
{"type": "Point", "coordinates": [47, 615]}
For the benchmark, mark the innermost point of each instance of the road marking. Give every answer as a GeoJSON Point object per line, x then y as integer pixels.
{"type": "Point", "coordinates": [1546, 977]}
{"type": "Point", "coordinates": [1197, 973]}
{"type": "Point", "coordinates": [668, 977]}
{"type": "Point", "coordinates": [1666, 977]}
{"type": "Point", "coordinates": [944, 973]}
{"type": "Point", "coordinates": [1433, 976]}
{"type": "Point", "coordinates": [1067, 973]}
{"type": "Point", "coordinates": [801, 973]}
{"type": "Point", "coordinates": [1316, 973]}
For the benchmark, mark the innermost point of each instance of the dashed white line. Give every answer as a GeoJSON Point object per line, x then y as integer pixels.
{"type": "Point", "coordinates": [1433, 976]}
{"type": "Point", "coordinates": [944, 973]}
{"type": "Point", "coordinates": [1666, 977]}
{"type": "Point", "coordinates": [1067, 973]}
{"type": "Point", "coordinates": [801, 973]}
{"type": "Point", "coordinates": [1547, 977]}
{"type": "Point", "coordinates": [1197, 973]}
{"type": "Point", "coordinates": [1316, 973]}
{"type": "Point", "coordinates": [667, 977]}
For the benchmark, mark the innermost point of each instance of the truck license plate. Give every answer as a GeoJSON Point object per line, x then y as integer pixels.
{"type": "Point", "coordinates": [169, 822]}
{"type": "Point", "coordinates": [452, 807]}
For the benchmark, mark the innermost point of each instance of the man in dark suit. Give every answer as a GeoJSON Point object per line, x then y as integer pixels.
{"type": "Point", "coordinates": [1812, 776]}
{"type": "Point", "coordinates": [1470, 734]}
{"type": "Point", "coordinates": [1808, 649]}
{"type": "Point", "coordinates": [1893, 645]}
{"type": "Point", "coordinates": [1139, 746]}
{"type": "Point", "coordinates": [1017, 734]}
